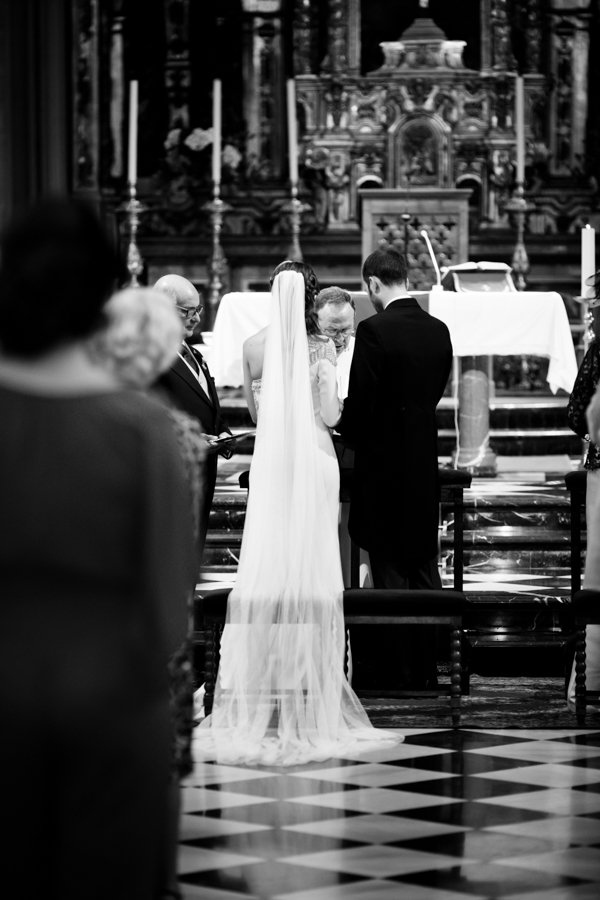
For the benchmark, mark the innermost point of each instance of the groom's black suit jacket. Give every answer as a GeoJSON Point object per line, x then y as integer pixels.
{"type": "Point", "coordinates": [185, 391]}
{"type": "Point", "coordinates": [401, 363]}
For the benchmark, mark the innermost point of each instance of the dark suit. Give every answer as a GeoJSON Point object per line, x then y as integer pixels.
{"type": "Point", "coordinates": [185, 391]}
{"type": "Point", "coordinates": [402, 360]}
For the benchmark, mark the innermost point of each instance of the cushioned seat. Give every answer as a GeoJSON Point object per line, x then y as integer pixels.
{"type": "Point", "coordinates": [586, 609]}
{"type": "Point", "coordinates": [576, 483]}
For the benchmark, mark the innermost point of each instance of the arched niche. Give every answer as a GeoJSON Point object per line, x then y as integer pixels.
{"type": "Point", "coordinates": [477, 205]}
{"type": "Point", "coordinates": [419, 152]}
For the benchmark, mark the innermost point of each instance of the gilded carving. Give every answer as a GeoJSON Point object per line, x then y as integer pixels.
{"type": "Point", "coordinates": [502, 55]}
{"type": "Point", "coordinates": [302, 33]}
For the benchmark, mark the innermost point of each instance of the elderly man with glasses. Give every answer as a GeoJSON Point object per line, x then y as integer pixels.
{"type": "Point", "coordinates": [190, 385]}
{"type": "Point", "coordinates": [335, 313]}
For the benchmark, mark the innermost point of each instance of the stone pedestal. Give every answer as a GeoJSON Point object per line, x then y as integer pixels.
{"type": "Point", "coordinates": [473, 451]}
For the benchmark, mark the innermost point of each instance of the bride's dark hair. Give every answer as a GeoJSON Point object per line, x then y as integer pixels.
{"type": "Point", "coordinates": [311, 289]}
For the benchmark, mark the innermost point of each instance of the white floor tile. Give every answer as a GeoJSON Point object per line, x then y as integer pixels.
{"type": "Point", "coordinates": [555, 802]}
{"type": "Point", "coordinates": [376, 861]}
{"type": "Point", "coordinates": [564, 830]}
{"type": "Point", "coordinates": [577, 862]}
{"type": "Point", "coordinates": [193, 828]}
{"type": "Point", "coordinates": [200, 800]}
{"type": "Point", "coordinates": [376, 775]}
{"type": "Point", "coordinates": [198, 859]}
{"type": "Point", "coordinates": [559, 776]}
{"type": "Point", "coordinates": [376, 829]}
{"type": "Point", "coordinates": [374, 800]}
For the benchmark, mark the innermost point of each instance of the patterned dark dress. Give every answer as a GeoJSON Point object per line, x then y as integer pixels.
{"type": "Point", "coordinates": [181, 670]}
{"type": "Point", "coordinates": [583, 391]}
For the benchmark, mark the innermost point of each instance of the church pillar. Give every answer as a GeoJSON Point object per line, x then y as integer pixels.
{"type": "Point", "coordinates": [34, 86]}
{"type": "Point", "coordinates": [264, 75]}
{"type": "Point", "coordinates": [474, 452]}
{"type": "Point", "coordinates": [86, 106]}
{"type": "Point", "coordinates": [569, 60]}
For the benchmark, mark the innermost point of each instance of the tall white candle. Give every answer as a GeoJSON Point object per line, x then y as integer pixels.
{"type": "Point", "coordinates": [292, 130]}
{"type": "Point", "coordinates": [520, 128]}
{"type": "Point", "coordinates": [216, 124]}
{"type": "Point", "coordinates": [133, 133]}
{"type": "Point", "coordinates": [588, 256]}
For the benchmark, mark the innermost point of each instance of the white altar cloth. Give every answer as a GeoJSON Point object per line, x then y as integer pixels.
{"type": "Point", "coordinates": [503, 324]}
{"type": "Point", "coordinates": [480, 324]}
{"type": "Point", "coordinates": [240, 315]}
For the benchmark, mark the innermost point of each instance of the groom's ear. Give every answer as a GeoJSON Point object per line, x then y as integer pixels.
{"type": "Point", "coordinates": [374, 284]}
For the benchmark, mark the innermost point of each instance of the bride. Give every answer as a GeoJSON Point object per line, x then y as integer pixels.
{"type": "Point", "coordinates": [282, 697]}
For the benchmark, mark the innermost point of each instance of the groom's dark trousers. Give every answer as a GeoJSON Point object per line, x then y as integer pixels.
{"type": "Point", "coordinates": [401, 364]}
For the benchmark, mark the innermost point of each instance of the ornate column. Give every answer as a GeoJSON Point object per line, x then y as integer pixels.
{"type": "Point", "coordinates": [302, 24]}
{"type": "Point", "coordinates": [501, 50]}
{"type": "Point", "coordinates": [533, 20]}
{"type": "Point", "coordinates": [117, 84]}
{"type": "Point", "coordinates": [264, 108]}
{"type": "Point", "coordinates": [178, 78]}
{"type": "Point", "coordinates": [336, 60]}
{"type": "Point", "coordinates": [569, 60]}
{"type": "Point", "coordinates": [86, 140]}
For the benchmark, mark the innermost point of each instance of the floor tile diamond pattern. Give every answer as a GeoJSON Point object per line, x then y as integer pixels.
{"type": "Point", "coordinates": [446, 815]}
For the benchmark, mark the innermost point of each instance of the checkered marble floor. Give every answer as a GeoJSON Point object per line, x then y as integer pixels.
{"type": "Point", "coordinates": [443, 816]}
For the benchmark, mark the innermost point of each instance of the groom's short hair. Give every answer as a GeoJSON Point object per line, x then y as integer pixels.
{"type": "Point", "coordinates": [387, 265]}
{"type": "Point", "coordinates": [333, 296]}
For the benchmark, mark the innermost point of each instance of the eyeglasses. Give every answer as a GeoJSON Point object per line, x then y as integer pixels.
{"type": "Point", "coordinates": [334, 332]}
{"type": "Point", "coordinates": [190, 313]}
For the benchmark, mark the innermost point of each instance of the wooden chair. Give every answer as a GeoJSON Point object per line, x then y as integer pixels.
{"type": "Point", "coordinates": [366, 606]}
{"type": "Point", "coordinates": [586, 609]}
{"type": "Point", "coordinates": [576, 483]}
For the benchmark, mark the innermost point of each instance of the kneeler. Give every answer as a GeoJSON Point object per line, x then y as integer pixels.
{"type": "Point", "coordinates": [586, 609]}
{"type": "Point", "coordinates": [361, 607]}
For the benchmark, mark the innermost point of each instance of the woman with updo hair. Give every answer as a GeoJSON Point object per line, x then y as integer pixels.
{"type": "Point", "coordinates": [96, 554]}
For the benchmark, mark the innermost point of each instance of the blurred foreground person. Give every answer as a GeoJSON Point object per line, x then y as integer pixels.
{"type": "Point", "coordinates": [95, 553]}
{"type": "Point", "coordinates": [140, 341]}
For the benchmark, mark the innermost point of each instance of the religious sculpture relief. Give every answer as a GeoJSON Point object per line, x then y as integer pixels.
{"type": "Point", "coordinates": [418, 163]}
{"type": "Point", "coordinates": [302, 35]}
{"type": "Point", "coordinates": [501, 177]}
{"type": "Point", "coordinates": [533, 16]}
{"type": "Point", "coordinates": [86, 143]}
{"type": "Point", "coordinates": [336, 99]}
{"type": "Point", "coordinates": [330, 167]}
{"type": "Point", "coordinates": [502, 56]}
{"type": "Point", "coordinates": [337, 38]}
{"type": "Point", "coordinates": [178, 78]}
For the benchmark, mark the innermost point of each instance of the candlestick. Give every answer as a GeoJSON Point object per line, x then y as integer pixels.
{"type": "Point", "coordinates": [133, 131]}
{"type": "Point", "coordinates": [588, 256]}
{"type": "Point", "coordinates": [133, 209]}
{"type": "Point", "coordinates": [520, 128]}
{"type": "Point", "coordinates": [292, 130]}
{"type": "Point", "coordinates": [216, 149]}
{"type": "Point", "coordinates": [217, 262]}
{"type": "Point", "coordinates": [520, 261]}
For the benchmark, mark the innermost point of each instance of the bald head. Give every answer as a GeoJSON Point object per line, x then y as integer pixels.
{"type": "Point", "coordinates": [185, 297]}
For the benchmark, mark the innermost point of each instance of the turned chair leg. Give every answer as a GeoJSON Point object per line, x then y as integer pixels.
{"type": "Point", "coordinates": [211, 665]}
{"type": "Point", "coordinates": [455, 676]}
{"type": "Point", "coordinates": [580, 699]}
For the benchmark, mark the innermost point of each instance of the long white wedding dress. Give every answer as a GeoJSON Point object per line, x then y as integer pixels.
{"type": "Point", "coordinates": [281, 696]}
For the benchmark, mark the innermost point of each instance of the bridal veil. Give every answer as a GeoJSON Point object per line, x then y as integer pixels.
{"type": "Point", "coordinates": [282, 697]}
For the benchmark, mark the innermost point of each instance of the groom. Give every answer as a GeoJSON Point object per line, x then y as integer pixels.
{"type": "Point", "coordinates": [401, 364]}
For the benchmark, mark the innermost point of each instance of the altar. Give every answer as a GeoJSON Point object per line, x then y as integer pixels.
{"type": "Point", "coordinates": [480, 323]}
